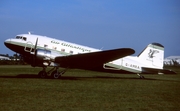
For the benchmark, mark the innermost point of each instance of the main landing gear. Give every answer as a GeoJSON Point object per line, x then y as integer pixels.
{"type": "Point", "coordinates": [141, 77]}
{"type": "Point", "coordinates": [54, 73]}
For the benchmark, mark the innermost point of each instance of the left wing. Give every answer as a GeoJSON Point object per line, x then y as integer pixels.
{"type": "Point", "coordinates": [92, 59]}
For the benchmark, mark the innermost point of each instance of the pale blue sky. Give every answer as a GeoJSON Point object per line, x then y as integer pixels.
{"type": "Point", "coordinates": [96, 23]}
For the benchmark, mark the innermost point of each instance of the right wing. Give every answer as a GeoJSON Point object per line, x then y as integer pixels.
{"type": "Point", "coordinates": [92, 59]}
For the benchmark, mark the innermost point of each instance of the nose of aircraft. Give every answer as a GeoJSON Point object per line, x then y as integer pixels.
{"type": "Point", "coordinates": [7, 42]}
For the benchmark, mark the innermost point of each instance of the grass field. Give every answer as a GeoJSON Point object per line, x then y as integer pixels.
{"type": "Point", "coordinates": [21, 89]}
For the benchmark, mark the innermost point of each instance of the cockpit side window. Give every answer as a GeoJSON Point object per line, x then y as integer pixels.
{"type": "Point", "coordinates": [24, 38]}
{"type": "Point", "coordinates": [20, 37]}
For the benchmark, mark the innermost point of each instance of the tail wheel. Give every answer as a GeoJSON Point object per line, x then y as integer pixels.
{"type": "Point", "coordinates": [142, 77]}
{"type": "Point", "coordinates": [55, 74]}
{"type": "Point", "coordinates": [42, 74]}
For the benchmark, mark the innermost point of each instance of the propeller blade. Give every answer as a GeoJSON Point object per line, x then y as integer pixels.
{"type": "Point", "coordinates": [34, 54]}
{"type": "Point", "coordinates": [35, 45]}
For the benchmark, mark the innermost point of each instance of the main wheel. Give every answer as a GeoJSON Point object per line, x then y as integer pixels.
{"type": "Point", "coordinates": [55, 74]}
{"type": "Point", "coordinates": [42, 74]}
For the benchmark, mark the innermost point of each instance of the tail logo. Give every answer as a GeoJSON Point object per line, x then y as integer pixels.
{"type": "Point", "coordinates": [152, 52]}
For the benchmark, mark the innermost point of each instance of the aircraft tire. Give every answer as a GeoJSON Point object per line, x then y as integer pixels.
{"type": "Point", "coordinates": [55, 75]}
{"type": "Point", "coordinates": [42, 74]}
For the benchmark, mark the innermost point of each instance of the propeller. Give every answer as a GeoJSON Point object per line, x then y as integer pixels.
{"type": "Point", "coordinates": [34, 53]}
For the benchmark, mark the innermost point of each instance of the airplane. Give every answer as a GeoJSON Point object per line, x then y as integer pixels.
{"type": "Point", "coordinates": [42, 51]}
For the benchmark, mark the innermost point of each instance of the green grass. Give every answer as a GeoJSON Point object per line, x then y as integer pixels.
{"type": "Point", "coordinates": [21, 89]}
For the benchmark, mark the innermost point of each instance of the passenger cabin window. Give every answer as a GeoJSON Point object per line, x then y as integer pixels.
{"type": "Point", "coordinates": [63, 50]}
{"type": "Point", "coordinates": [20, 37]}
{"type": "Point", "coordinates": [71, 52]}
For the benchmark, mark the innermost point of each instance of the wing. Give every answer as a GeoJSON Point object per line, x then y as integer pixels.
{"type": "Point", "coordinates": [93, 59]}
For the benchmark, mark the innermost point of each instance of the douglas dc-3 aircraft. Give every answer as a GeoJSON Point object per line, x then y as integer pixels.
{"type": "Point", "coordinates": [42, 51]}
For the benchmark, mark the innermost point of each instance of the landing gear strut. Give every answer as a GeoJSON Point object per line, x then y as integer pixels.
{"type": "Point", "coordinates": [141, 77]}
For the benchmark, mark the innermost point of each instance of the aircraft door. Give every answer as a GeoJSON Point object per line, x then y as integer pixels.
{"type": "Point", "coordinates": [28, 47]}
{"type": "Point", "coordinates": [121, 63]}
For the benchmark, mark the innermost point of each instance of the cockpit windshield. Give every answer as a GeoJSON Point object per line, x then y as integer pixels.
{"type": "Point", "coordinates": [21, 37]}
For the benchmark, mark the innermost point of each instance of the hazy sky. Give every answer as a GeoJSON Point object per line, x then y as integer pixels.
{"type": "Point", "coordinates": [106, 24]}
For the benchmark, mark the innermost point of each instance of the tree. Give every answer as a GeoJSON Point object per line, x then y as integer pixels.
{"type": "Point", "coordinates": [175, 62]}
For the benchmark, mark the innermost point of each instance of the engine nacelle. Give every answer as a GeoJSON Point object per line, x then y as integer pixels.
{"type": "Point", "coordinates": [45, 57]}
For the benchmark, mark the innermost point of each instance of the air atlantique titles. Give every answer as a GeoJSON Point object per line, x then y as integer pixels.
{"type": "Point", "coordinates": [71, 46]}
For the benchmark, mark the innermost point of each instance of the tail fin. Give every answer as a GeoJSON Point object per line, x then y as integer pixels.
{"type": "Point", "coordinates": [153, 56]}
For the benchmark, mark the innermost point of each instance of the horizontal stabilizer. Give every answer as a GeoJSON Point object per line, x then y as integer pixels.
{"type": "Point", "coordinates": [93, 59]}
{"type": "Point", "coordinates": [157, 71]}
